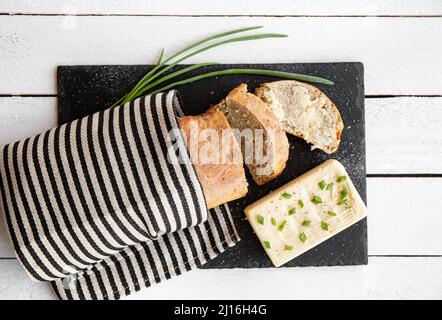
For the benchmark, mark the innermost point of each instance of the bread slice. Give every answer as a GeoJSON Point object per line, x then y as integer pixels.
{"type": "Point", "coordinates": [264, 144]}
{"type": "Point", "coordinates": [305, 112]}
{"type": "Point", "coordinates": [216, 156]}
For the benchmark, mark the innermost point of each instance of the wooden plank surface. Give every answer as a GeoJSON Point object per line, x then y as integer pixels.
{"type": "Point", "coordinates": [393, 202]}
{"type": "Point", "coordinates": [403, 133]}
{"type": "Point", "coordinates": [396, 40]}
{"type": "Point", "coordinates": [403, 219]}
{"type": "Point", "coordinates": [225, 7]}
{"type": "Point", "coordinates": [382, 278]}
{"type": "Point", "coordinates": [32, 46]}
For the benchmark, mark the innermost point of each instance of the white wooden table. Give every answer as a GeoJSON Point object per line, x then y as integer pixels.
{"type": "Point", "coordinates": [400, 44]}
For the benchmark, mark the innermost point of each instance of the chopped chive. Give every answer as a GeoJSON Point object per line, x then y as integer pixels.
{"type": "Point", "coordinates": [288, 248]}
{"type": "Point", "coordinates": [282, 225]}
{"type": "Point", "coordinates": [260, 219]}
{"type": "Point", "coordinates": [322, 185]}
{"type": "Point", "coordinates": [342, 178]}
{"type": "Point", "coordinates": [331, 213]}
{"type": "Point", "coordinates": [286, 195]}
{"type": "Point", "coordinates": [301, 203]}
{"type": "Point", "coordinates": [316, 200]}
{"type": "Point", "coordinates": [302, 237]}
{"type": "Point", "coordinates": [344, 193]}
{"type": "Point", "coordinates": [324, 226]}
{"type": "Point", "coordinates": [292, 211]}
{"type": "Point", "coordinates": [347, 206]}
{"type": "Point", "coordinates": [273, 220]}
{"type": "Point", "coordinates": [341, 202]}
{"type": "Point", "coordinates": [305, 223]}
{"type": "Point", "coordinates": [329, 186]}
{"type": "Point", "coordinates": [267, 244]}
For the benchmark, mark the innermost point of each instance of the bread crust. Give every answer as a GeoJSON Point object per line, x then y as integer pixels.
{"type": "Point", "coordinates": [278, 85]}
{"type": "Point", "coordinates": [239, 97]}
{"type": "Point", "coordinates": [222, 181]}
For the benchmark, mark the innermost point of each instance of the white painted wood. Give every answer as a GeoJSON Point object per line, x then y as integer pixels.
{"type": "Point", "coordinates": [21, 117]}
{"type": "Point", "coordinates": [16, 285]}
{"type": "Point", "coordinates": [405, 216]}
{"type": "Point", "coordinates": [403, 135]}
{"type": "Point", "coordinates": [392, 202]}
{"type": "Point", "coordinates": [382, 278]}
{"type": "Point", "coordinates": [225, 7]}
{"type": "Point", "coordinates": [401, 55]}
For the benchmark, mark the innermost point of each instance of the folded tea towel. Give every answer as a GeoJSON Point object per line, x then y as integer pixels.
{"type": "Point", "coordinates": [101, 206]}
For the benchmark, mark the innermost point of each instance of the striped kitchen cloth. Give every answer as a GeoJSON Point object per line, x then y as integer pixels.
{"type": "Point", "coordinates": [101, 208]}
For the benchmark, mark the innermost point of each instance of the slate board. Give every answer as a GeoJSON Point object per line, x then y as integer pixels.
{"type": "Point", "coordinates": [86, 89]}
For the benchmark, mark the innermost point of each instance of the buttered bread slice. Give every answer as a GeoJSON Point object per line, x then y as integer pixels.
{"type": "Point", "coordinates": [305, 212]}
{"type": "Point", "coordinates": [304, 111]}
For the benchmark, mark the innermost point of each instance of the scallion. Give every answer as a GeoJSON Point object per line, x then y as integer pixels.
{"type": "Point", "coordinates": [146, 85]}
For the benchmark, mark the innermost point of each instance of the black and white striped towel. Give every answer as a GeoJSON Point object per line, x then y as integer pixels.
{"type": "Point", "coordinates": [100, 208]}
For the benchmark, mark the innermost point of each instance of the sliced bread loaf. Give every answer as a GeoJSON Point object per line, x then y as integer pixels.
{"type": "Point", "coordinates": [216, 156]}
{"type": "Point", "coordinates": [305, 112]}
{"type": "Point", "coordinates": [264, 144]}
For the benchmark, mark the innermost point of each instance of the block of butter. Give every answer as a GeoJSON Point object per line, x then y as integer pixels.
{"type": "Point", "coordinates": [305, 212]}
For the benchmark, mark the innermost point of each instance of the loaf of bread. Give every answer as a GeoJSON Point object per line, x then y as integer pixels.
{"type": "Point", "coordinates": [264, 144]}
{"type": "Point", "coordinates": [216, 156]}
{"type": "Point", "coordinates": [305, 112]}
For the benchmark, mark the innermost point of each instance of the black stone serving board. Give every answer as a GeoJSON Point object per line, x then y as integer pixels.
{"type": "Point", "coordinates": [86, 89]}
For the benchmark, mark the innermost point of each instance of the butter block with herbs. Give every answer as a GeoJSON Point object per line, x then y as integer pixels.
{"type": "Point", "coordinates": [305, 212]}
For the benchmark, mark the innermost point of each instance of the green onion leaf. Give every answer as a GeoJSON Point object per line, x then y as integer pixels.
{"type": "Point", "coordinates": [173, 75]}
{"type": "Point", "coordinates": [305, 223]}
{"type": "Point", "coordinates": [286, 195]}
{"type": "Point", "coordinates": [292, 211]}
{"type": "Point", "coordinates": [316, 200]}
{"type": "Point", "coordinates": [146, 77]}
{"type": "Point", "coordinates": [282, 225]}
{"type": "Point", "coordinates": [267, 244]}
{"type": "Point", "coordinates": [302, 237]}
{"type": "Point", "coordinates": [301, 203]}
{"type": "Point", "coordinates": [146, 84]}
{"type": "Point", "coordinates": [160, 58]}
{"type": "Point", "coordinates": [331, 213]}
{"type": "Point", "coordinates": [261, 72]}
{"type": "Point", "coordinates": [288, 248]}
{"type": "Point", "coordinates": [347, 206]}
{"type": "Point", "coordinates": [329, 186]}
{"type": "Point", "coordinates": [342, 178]}
{"type": "Point", "coordinates": [273, 220]}
{"type": "Point", "coordinates": [324, 226]}
{"type": "Point", "coordinates": [260, 219]}
{"type": "Point", "coordinates": [322, 185]}
{"type": "Point", "coordinates": [217, 44]}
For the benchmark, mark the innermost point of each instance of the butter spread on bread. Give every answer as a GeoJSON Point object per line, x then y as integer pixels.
{"type": "Point", "coordinates": [247, 113]}
{"type": "Point", "coordinates": [304, 111]}
{"type": "Point", "coordinates": [305, 212]}
{"type": "Point", "coordinates": [223, 177]}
